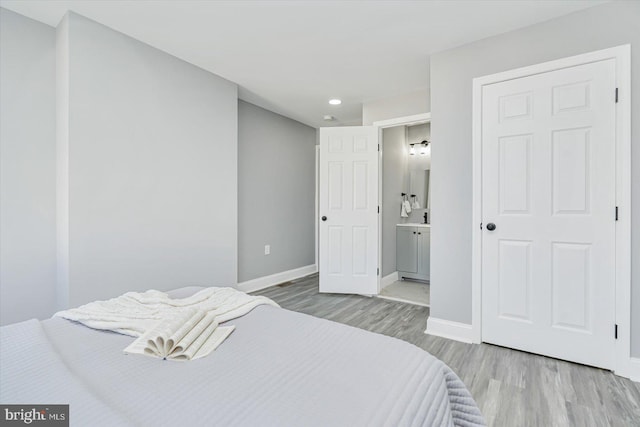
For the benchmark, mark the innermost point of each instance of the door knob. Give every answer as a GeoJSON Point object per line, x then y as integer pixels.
{"type": "Point", "coordinates": [324, 218]}
{"type": "Point", "coordinates": [491, 226]}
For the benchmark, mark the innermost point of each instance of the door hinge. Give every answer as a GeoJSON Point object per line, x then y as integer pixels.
{"type": "Point", "coordinates": [378, 208]}
{"type": "Point", "coordinates": [615, 332]}
{"type": "Point", "coordinates": [616, 213]}
{"type": "Point", "coordinates": [378, 271]}
{"type": "Point", "coordinates": [616, 95]}
{"type": "Point", "coordinates": [480, 226]}
{"type": "Point", "coordinates": [379, 144]}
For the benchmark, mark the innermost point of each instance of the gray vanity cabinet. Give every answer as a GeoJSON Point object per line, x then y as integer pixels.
{"type": "Point", "coordinates": [413, 247]}
{"type": "Point", "coordinates": [406, 250]}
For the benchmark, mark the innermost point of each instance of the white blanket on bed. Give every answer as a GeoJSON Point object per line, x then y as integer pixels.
{"type": "Point", "coordinates": [135, 313]}
{"type": "Point", "coordinates": [280, 369]}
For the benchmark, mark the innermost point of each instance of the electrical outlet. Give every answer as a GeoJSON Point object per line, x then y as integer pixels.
{"type": "Point", "coordinates": [267, 249]}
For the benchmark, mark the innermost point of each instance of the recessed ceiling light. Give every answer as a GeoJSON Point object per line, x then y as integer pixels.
{"type": "Point", "coordinates": [335, 101]}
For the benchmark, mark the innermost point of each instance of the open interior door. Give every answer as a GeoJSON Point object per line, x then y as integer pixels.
{"type": "Point", "coordinates": [349, 210]}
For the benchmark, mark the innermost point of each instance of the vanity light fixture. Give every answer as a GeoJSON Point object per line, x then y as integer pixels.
{"type": "Point", "coordinates": [423, 148]}
{"type": "Point", "coordinates": [335, 101]}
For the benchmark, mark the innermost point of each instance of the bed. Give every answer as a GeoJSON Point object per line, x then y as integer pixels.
{"type": "Point", "coordinates": [278, 368]}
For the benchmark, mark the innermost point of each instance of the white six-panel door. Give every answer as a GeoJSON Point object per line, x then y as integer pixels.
{"type": "Point", "coordinates": [348, 210]}
{"type": "Point", "coordinates": [548, 187]}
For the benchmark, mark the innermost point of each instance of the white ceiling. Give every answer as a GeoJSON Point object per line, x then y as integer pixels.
{"type": "Point", "coordinates": [291, 57]}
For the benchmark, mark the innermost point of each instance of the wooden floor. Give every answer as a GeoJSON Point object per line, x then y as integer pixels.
{"type": "Point", "coordinates": [512, 388]}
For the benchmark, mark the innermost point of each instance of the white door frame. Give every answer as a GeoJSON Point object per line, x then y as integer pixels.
{"type": "Point", "coordinates": [317, 205]}
{"type": "Point", "coordinates": [383, 124]}
{"type": "Point", "coordinates": [622, 56]}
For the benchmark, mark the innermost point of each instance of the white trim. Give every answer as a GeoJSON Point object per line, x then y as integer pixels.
{"type": "Point", "coordinates": [404, 121]}
{"type": "Point", "coordinates": [317, 206]}
{"type": "Point", "coordinates": [276, 279]}
{"type": "Point", "coordinates": [389, 279]}
{"type": "Point", "coordinates": [450, 330]}
{"type": "Point", "coordinates": [380, 171]}
{"type": "Point", "coordinates": [622, 55]}
{"type": "Point", "coordinates": [623, 364]}
{"type": "Point", "coordinates": [634, 369]}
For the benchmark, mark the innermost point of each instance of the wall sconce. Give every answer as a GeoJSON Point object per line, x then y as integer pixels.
{"type": "Point", "coordinates": [423, 148]}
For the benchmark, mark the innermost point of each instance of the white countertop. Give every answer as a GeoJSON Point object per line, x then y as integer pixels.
{"type": "Point", "coordinates": [414, 224]}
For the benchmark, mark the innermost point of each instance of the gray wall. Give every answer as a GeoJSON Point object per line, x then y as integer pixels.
{"type": "Point", "coordinates": [27, 168]}
{"type": "Point", "coordinates": [394, 182]}
{"type": "Point", "coordinates": [276, 193]}
{"type": "Point", "coordinates": [452, 72]}
{"type": "Point", "coordinates": [406, 104]}
{"type": "Point", "coordinates": [152, 168]}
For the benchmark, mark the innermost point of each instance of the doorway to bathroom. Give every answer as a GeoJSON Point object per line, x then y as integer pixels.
{"type": "Point", "coordinates": [405, 223]}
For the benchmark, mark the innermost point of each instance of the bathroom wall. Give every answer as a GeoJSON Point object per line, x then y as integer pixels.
{"type": "Point", "coordinates": [394, 182]}
{"type": "Point", "coordinates": [417, 134]}
{"type": "Point", "coordinates": [397, 165]}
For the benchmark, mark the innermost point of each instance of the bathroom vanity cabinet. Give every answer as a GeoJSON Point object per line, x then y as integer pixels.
{"type": "Point", "coordinates": [413, 250]}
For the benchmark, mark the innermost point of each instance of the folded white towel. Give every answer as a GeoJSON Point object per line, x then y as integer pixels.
{"type": "Point", "coordinates": [407, 206]}
{"type": "Point", "coordinates": [188, 335]}
{"type": "Point", "coordinates": [403, 211]}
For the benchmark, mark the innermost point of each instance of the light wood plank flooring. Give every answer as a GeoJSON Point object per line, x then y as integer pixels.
{"type": "Point", "coordinates": [512, 388]}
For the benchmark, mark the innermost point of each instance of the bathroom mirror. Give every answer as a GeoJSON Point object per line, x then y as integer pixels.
{"type": "Point", "coordinates": [419, 185]}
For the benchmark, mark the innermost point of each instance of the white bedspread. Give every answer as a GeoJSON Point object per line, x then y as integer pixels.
{"type": "Point", "coordinates": [278, 369]}
{"type": "Point", "coordinates": [134, 313]}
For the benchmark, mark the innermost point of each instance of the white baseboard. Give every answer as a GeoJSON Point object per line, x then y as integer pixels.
{"type": "Point", "coordinates": [275, 279]}
{"type": "Point", "coordinates": [449, 329]}
{"type": "Point", "coordinates": [634, 369]}
{"type": "Point", "coordinates": [389, 279]}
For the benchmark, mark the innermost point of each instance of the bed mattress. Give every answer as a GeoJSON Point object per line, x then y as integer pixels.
{"type": "Point", "coordinates": [278, 368]}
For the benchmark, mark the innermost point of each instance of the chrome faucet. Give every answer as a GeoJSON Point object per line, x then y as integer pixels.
{"type": "Point", "coordinates": [426, 217]}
